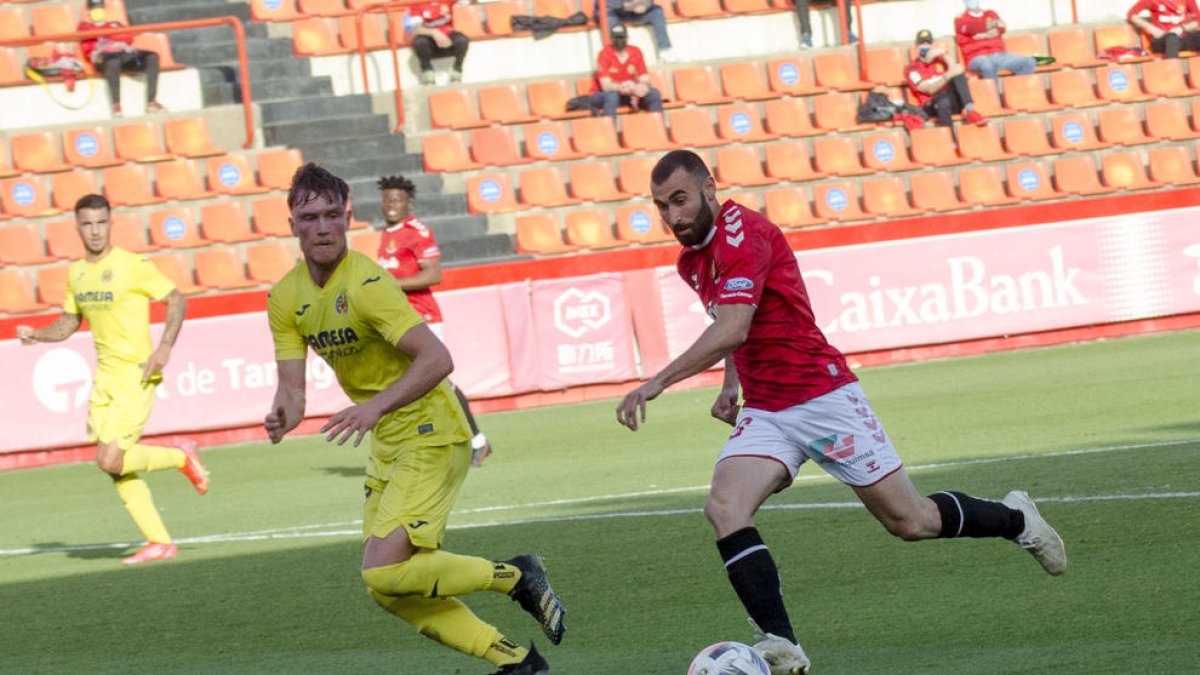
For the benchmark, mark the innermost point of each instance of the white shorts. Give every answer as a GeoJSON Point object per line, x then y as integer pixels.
{"type": "Point", "coordinates": [838, 431]}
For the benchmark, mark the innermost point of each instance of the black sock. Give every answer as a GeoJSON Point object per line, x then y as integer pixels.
{"type": "Point", "coordinates": [755, 579]}
{"type": "Point", "coordinates": [967, 516]}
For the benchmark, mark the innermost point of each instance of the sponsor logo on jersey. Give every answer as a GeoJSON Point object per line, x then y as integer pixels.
{"type": "Point", "coordinates": [302, 310]}
{"type": "Point", "coordinates": [738, 284]}
{"type": "Point", "coordinates": [93, 296]}
{"type": "Point", "coordinates": [341, 305]}
{"type": "Point", "coordinates": [337, 337]}
{"type": "Point", "coordinates": [835, 446]}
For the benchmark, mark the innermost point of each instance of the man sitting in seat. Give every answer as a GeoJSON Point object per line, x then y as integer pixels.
{"type": "Point", "coordinates": [980, 35]}
{"type": "Point", "coordinates": [112, 54]}
{"type": "Point", "coordinates": [939, 86]}
{"type": "Point", "coordinates": [1173, 25]}
{"type": "Point", "coordinates": [432, 27]}
{"type": "Point", "coordinates": [621, 78]}
{"type": "Point", "coordinates": [642, 12]}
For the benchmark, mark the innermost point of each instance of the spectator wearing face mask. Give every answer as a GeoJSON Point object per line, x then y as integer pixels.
{"type": "Point", "coordinates": [622, 78]}
{"type": "Point", "coordinates": [1173, 25]}
{"type": "Point", "coordinates": [980, 36]}
{"type": "Point", "coordinates": [939, 86]}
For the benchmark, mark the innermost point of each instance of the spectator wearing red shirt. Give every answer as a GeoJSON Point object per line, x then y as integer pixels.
{"type": "Point", "coordinates": [622, 78]}
{"type": "Point", "coordinates": [801, 402]}
{"type": "Point", "coordinates": [939, 86]}
{"type": "Point", "coordinates": [1173, 25]}
{"type": "Point", "coordinates": [112, 54]}
{"type": "Point", "coordinates": [980, 37]}
{"type": "Point", "coordinates": [434, 37]}
{"type": "Point", "coordinates": [408, 250]}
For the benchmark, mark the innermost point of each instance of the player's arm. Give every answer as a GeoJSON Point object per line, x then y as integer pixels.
{"type": "Point", "coordinates": [176, 309]}
{"type": "Point", "coordinates": [726, 406]}
{"type": "Point", "coordinates": [428, 274]}
{"type": "Point", "coordinates": [62, 328]}
{"type": "Point", "coordinates": [726, 333]}
{"type": "Point", "coordinates": [288, 407]}
{"type": "Point", "coordinates": [431, 363]}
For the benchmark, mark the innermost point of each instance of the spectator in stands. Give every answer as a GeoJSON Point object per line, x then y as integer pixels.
{"type": "Point", "coordinates": [939, 86]}
{"type": "Point", "coordinates": [409, 252]}
{"type": "Point", "coordinates": [980, 37]}
{"type": "Point", "coordinates": [434, 37]}
{"type": "Point", "coordinates": [806, 24]}
{"type": "Point", "coordinates": [642, 12]}
{"type": "Point", "coordinates": [621, 78]}
{"type": "Point", "coordinates": [1173, 25]}
{"type": "Point", "coordinates": [112, 54]}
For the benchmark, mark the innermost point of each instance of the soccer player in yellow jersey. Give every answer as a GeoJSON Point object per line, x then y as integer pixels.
{"type": "Point", "coordinates": [112, 289]}
{"type": "Point", "coordinates": [346, 308]}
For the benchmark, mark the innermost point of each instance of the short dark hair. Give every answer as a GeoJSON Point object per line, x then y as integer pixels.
{"type": "Point", "coordinates": [398, 183]}
{"type": "Point", "coordinates": [91, 202]}
{"type": "Point", "coordinates": [676, 160]}
{"type": "Point", "coordinates": [314, 180]}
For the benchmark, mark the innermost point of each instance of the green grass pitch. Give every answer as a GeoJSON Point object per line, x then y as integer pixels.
{"type": "Point", "coordinates": [1105, 435]}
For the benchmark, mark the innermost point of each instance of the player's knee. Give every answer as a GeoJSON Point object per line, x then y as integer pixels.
{"type": "Point", "coordinates": [109, 460]}
{"type": "Point", "coordinates": [724, 514]}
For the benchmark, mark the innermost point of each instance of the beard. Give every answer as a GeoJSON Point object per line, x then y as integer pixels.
{"type": "Point", "coordinates": [700, 226]}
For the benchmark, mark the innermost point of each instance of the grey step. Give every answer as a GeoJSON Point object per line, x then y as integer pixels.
{"type": "Point", "coordinates": [426, 183]}
{"type": "Point", "coordinates": [322, 108]}
{"type": "Point", "coordinates": [160, 13]}
{"type": "Point", "coordinates": [388, 145]}
{"type": "Point", "coordinates": [218, 93]}
{"type": "Point", "coordinates": [192, 36]}
{"type": "Point", "coordinates": [489, 248]}
{"type": "Point", "coordinates": [298, 134]}
{"type": "Point", "coordinates": [430, 205]}
{"type": "Point", "coordinates": [263, 69]}
{"type": "Point", "coordinates": [351, 167]}
{"type": "Point", "coordinates": [224, 52]}
{"type": "Point", "coordinates": [290, 88]}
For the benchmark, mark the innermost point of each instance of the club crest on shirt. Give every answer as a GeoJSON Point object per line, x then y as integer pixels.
{"type": "Point", "coordinates": [391, 247]}
{"type": "Point", "coordinates": [106, 276]}
{"type": "Point", "coordinates": [341, 305]}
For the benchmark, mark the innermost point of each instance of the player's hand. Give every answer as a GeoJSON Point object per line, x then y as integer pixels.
{"type": "Point", "coordinates": [155, 364]}
{"type": "Point", "coordinates": [1156, 32]}
{"type": "Point", "coordinates": [634, 403]}
{"type": "Point", "coordinates": [276, 424]}
{"type": "Point", "coordinates": [354, 421]}
{"type": "Point", "coordinates": [726, 406]}
{"type": "Point", "coordinates": [25, 335]}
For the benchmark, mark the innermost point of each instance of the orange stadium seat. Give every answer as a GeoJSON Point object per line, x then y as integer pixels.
{"type": "Point", "coordinates": [447, 151]}
{"type": "Point", "coordinates": [887, 197]}
{"type": "Point", "coordinates": [499, 16]}
{"type": "Point", "coordinates": [1125, 170]}
{"type": "Point", "coordinates": [693, 127]}
{"type": "Point", "coordinates": [1196, 113]}
{"type": "Point", "coordinates": [68, 186]}
{"type": "Point", "coordinates": [373, 35]}
{"type": "Point", "coordinates": [596, 136]}
{"type": "Point", "coordinates": [1027, 93]}
{"type": "Point", "coordinates": [226, 221]}
{"type": "Point", "coordinates": [741, 122]}
{"type": "Point", "coordinates": [641, 224]}
{"type": "Point", "coordinates": [839, 70]}
{"type": "Point", "coordinates": [838, 156]}
{"type": "Point", "coordinates": [454, 109]}
{"type": "Point", "coordinates": [25, 197]}
{"type": "Point", "coordinates": [987, 97]}
{"type": "Point", "coordinates": [645, 131]}
{"type": "Point", "coordinates": [180, 179]}
{"type": "Point", "coordinates": [1120, 35]}
{"type": "Point", "coordinates": [14, 25]}
{"type": "Point", "coordinates": [129, 233]}
{"type": "Point", "coordinates": [52, 284]}
{"type": "Point", "coordinates": [1027, 136]}
{"type": "Point", "coordinates": [935, 191]}
{"type": "Point", "coordinates": [594, 182]}
{"type": "Point", "coordinates": [490, 193]}
{"type": "Point", "coordinates": [496, 146]}
{"type": "Point", "coordinates": [366, 242]}
{"type": "Point", "coordinates": [139, 142]}
{"type": "Point", "coordinates": [633, 175]}
{"type": "Point", "coordinates": [837, 201]}
{"type": "Point", "coordinates": [129, 185]}
{"type": "Point", "coordinates": [53, 19]}
{"type": "Point", "coordinates": [12, 71]}
{"type": "Point", "coordinates": [698, 84]}
{"type": "Point", "coordinates": [590, 232]}
{"type": "Point", "coordinates": [37, 152]}
{"type": "Point", "coordinates": [189, 137]}
{"type": "Point", "coordinates": [16, 292]}
{"type": "Point", "coordinates": [160, 44]}
{"type": "Point", "coordinates": [1074, 131]}
{"type": "Point", "coordinates": [540, 234]}
{"type": "Point", "coordinates": [62, 239]}
{"type": "Point", "coordinates": [790, 207]}
{"type": "Point", "coordinates": [88, 148]}
{"type": "Point", "coordinates": [745, 81]}
{"type": "Point", "coordinates": [276, 167]}
{"type": "Point", "coordinates": [1073, 47]}
{"type": "Point", "coordinates": [790, 161]}
{"type": "Point", "coordinates": [1119, 83]}
{"type": "Point", "coordinates": [232, 175]}
{"type": "Point", "coordinates": [503, 104]}
{"type": "Point", "coordinates": [885, 65]}
{"type": "Point", "coordinates": [790, 117]}
{"type": "Point", "coordinates": [559, 9]}
{"type": "Point", "coordinates": [549, 141]}
{"type": "Point", "coordinates": [1122, 126]}
{"type": "Point", "coordinates": [548, 99]}
{"type": "Point", "coordinates": [176, 228]}
{"type": "Point", "coordinates": [663, 86]}
{"type": "Point", "coordinates": [1167, 121]}
{"type": "Point", "coordinates": [741, 166]}
{"type": "Point", "coordinates": [1073, 89]}
{"type": "Point", "coordinates": [981, 143]}
{"type": "Point", "coordinates": [1173, 165]}
{"type": "Point", "coordinates": [1164, 77]}
{"type": "Point", "coordinates": [222, 268]}
{"type": "Point", "coordinates": [837, 112]}
{"type": "Point", "coordinates": [983, 186]}
{"type": "Point", "coordinates": [176, 267]}
{"type": "Point", "coordinates": [792, 76]}
{"type": "Point", "coordinates": [699, 9]}
{"type": "Point", "coordinates": [271, 216]}
{"type": "Point", "coordinates": [315, 36]}
{"type": "Point", "coordinates": [468, 20]}
{"type": "Point", "coordinates": [268, 262]}
{"type": "Point", "coordinates": [745, 198]}
{"type": "Point", "coordinates": [886, 151]}
{"type": "Point", "coordinates": [1077, 175]}
{"type": "Point", "coordinates": [21, 244]}
{"type": "Point", "coordinates": [1028, 44]}
{"type": "Point", "coordinates": [6, 169]}
{"type": "Point", "coordinates": [544, 186]}
{"type": "Point", "coordinates": [273, 10]}
{"type": "Point", "coordinates": [1030, 181]}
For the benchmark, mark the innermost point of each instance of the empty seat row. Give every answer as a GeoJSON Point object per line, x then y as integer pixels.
{"type": "Point", "coordinates": [51, 18]}
{"type": "Point", "coordinates": [94, 147]}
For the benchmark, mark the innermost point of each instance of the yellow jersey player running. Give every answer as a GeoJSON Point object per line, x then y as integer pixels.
{"type": "Point", "coordinates": [112, 289]}
{"type": "Point", "coordinates": [347, 309]}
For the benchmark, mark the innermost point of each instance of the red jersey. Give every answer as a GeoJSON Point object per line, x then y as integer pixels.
{"type": "Point", "coordinates": [918, 71]}
{"type": "Point", "coordinates": [435, 15]}
{"type": "Point", "coordinates": [746, 260]}
{"type": "Point", "coordinates": [609, 65]}
{"type": "Point", "coordinates": [969, 24]}
{"type": "Point", "coordinates": [116, 42]}
{"type": "Point", "coordinates": [1167, 14]}
{"type": "Point", "coordinates": [400, 249]}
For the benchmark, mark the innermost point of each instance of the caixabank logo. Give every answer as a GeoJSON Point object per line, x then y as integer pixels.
{"type": "Point", "coordinates": [576, 312]}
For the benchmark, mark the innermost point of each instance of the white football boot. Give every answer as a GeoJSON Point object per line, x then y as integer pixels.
{"type": "Point", "coordinates": [784, 657]}
{"type": "Point", "coordinates": [1038, 537]}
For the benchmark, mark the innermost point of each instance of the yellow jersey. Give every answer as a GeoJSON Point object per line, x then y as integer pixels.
{"type": "Point", "coordinates": [114, 295]}
{"type": "Point", "coordinates": [354, 323]}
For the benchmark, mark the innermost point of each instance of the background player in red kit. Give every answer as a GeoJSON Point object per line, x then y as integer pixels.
{"type": "Point", "coordinates": [801, 402]}
{"type": "Point", "coordinates": [409, 252]}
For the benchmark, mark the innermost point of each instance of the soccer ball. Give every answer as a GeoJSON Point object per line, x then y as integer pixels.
{"type": "Point", "coordinates": [729, 658]}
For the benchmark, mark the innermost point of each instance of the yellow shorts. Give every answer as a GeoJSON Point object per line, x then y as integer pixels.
{"type": "Point", "coordinates": [119, 405]}
{"type": "Point", "coordinates": [420, 489]}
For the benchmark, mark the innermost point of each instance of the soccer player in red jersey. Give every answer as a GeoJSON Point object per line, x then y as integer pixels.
{"type": "Point", "coordinates": [801, 402]}
{"type": "Point", "coordinates": [410, 253]}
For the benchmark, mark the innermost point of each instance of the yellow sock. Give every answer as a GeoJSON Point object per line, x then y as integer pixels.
{"type": "Point", "coordinates": [450, 622]}
{"type": "Point", "coordinates": [151, 458]}
{"type": "Point", "coordinates": [437, 573]}
{"type": "Point", "coordinates": [135, 494]}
